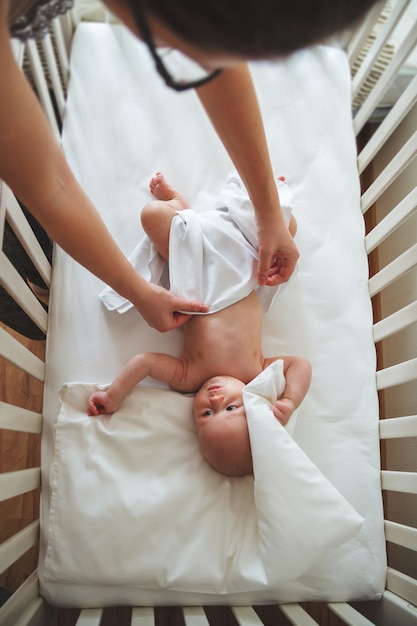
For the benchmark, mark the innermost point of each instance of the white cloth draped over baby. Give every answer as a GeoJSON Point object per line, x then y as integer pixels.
{"type": "Point", "coordinates": [213, 254]}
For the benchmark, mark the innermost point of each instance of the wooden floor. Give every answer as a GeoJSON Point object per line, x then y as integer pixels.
{"type": "Point", "coordinates": [18, 451]}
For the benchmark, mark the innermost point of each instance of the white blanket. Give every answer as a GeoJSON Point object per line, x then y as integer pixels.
{"type": "Point", "coordinates": [104, 458]}
{"type": "Point", "coordinates": [123, 125]}
{"type": "Point", "coordinates": [213, 254]}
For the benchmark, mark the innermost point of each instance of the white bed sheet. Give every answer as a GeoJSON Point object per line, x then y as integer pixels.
{"type": "Point", "coordinates": [122, 125]}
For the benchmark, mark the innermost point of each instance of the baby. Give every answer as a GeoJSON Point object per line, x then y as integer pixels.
{"type": "Point", "coordinates": [221, 354]}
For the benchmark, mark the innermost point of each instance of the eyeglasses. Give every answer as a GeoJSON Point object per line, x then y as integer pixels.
{"type": "Point", "coordinates": [178, 71]}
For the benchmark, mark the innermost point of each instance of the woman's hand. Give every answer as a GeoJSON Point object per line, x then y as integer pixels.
{"type": "Point", "coordinates": [278, 253]}
{"type": "Point", "coordinates": [161, 309]}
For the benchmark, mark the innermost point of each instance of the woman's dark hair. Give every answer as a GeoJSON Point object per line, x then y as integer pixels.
{"type": "Point", "coordinates": [255, 29]}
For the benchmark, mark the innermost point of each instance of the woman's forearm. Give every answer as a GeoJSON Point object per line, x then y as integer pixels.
{"type": "Point", "coordinates": [33, 165]}
{"type": "Point", "coordinates": [231, 103]}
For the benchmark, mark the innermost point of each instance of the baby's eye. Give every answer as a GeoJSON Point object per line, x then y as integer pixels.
{"type": "Point", "coordinates": [231, 407]}
{"type": "Point", "coordinates": [208, 412]}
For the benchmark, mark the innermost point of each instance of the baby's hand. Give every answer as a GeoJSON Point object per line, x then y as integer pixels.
{"type": "Point", "coordinates": [283, 409]}
{"type": "Point", "coordinates": [99, 403]}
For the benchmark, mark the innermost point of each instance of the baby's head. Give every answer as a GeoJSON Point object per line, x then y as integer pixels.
{"type": "Point", "coordinates": [222, 429]}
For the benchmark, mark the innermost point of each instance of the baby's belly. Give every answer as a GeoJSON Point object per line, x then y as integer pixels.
{"type": "Point", "coordinates": [227, 342]}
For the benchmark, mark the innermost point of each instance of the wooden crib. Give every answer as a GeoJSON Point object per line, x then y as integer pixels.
{"type": "Point", "coordinates": [385, 124]}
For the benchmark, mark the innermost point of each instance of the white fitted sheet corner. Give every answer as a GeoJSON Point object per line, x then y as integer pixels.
{"type": "Point", "coordinates": [131, 513]}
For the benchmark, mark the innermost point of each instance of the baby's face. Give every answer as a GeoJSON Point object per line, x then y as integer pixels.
{"type": "Point", "coordinates": [219, 398]}
{"type": "Point", "coordinates": [221, 425]}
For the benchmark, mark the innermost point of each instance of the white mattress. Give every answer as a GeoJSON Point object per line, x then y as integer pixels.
{"type": "Point", "coordinates": [131, 513]}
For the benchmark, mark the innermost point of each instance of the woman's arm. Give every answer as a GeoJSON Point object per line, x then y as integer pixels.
{"type": "Point", "coordinates": [231, 103]}
{"type": "Point", "coordinates": [34, 167]}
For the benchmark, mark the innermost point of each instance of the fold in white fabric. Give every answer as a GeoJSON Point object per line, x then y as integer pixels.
{"type": "Point", "coordinates": [301, 515]}
{"type": "Point", "coordinates": [213, 253]}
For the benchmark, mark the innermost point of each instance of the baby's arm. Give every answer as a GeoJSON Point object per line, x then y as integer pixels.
{"type": "Point", "coordinates": [163, 367]}
{"type": "Point", "coordinates": [297, 372]}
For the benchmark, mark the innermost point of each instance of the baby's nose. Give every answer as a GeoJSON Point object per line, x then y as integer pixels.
{"type": "Point", "coordinates": [216, 399]}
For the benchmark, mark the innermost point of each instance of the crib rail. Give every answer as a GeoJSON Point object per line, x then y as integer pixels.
{"type": "Point", "coordinates": [22, 367]}
{"type": "Point", "coordinates": [387, 164]}
{"type": "Point", "coordinates": [284, 614]}
{"type": "Point", "coordinates": [241, 615]}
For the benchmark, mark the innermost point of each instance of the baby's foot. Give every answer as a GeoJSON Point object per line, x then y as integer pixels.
{"type": "Point", "coordinates": [159, 188]}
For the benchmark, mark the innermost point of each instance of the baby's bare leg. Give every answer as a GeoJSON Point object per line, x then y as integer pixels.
{"type": "Point", "coordinates": [157, 215]}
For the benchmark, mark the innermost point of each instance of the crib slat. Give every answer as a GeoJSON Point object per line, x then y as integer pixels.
{"type": "Point", "coordinates": [15, 418]}
{"type": "Point", "coordinates": [34, 614]}
{"type": "Point", "coordinates": [25, 234]}
{"type": "Point", "coordinates": [14, 284]}
{"type": "Point", "coordinates": [246, 616]}
{"type": "Point", "coordinates": [15, 483]}
{"type": "Point", "coordinates": [398, 427]}
{"type": "Point", "coordinates": [18, 49]}
{"type": "Point", "coordinates": [13, 351]}
{"type": "Point", "coordinates": [401, 535]}
{"type": "Point", "coordinates": [399, 608]}
{"type": "Point", "coordinates": [66, 26]}
{"type": "Point", "coordinates": [403, 105]}
{"type": "Point", "coordinates": [143, 616]}
{"type": "Point", "coordinates": [385, 81]}
{"type": "Point", "coordinates": [54, 73]}
{"type": "Point", "coordinates": [390, 173]}
{"type": "Point", "coordinates": [395, 322]}
{"type": "Point", "coordinates": [359, 36]}
{"type": "Point", "coordinates": [297, 615]}
{"type": "Point", "coordinates": [16, 546]}
{"type": "Point", "coordinates": [394, 270]}
{"type": "Point", "coordinates": [397, 216]}
{"type": "Point", "coordinates": [90, 617]}
{"type": "Point", "coordinates": [195, 616]}
{"type": "Point", "coordinates": [402, 585]}
{"type": "Point", "coordinates": [20, 601]}
{"type": "Point", "coordinates": [348, 614]}
{"type": "Point", "coordinates": [41, 86]}
{"type": "Point", "coordinates": [61, 49]}
{"type": "Point", "coordinates": [400, 482]}
{"type": "Point", "coordinates": [397, 374]}
{"type": "Point", "coordinates": [379, 43]}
